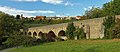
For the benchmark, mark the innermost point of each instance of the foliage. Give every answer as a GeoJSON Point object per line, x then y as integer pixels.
{"type": "Point", "coordinates": [109, 9]}
{"type": "Point", "coordinates": [1, 31]}
{"type": "Point", "coordinates": [112, 8]}
{"type": "Point", "coordinates": [29, 41]}
{"type": "Point", "coordinates": [17, 40]}
{"type": "Point", "coordinates": [116, 29]}
{"type": "Point", "coordinates": [94, 13]}
{"type": "Point", "coordinates": [17, 16]}
{"type": "Point", "coordinates": [79, 32]}
{"type": "Point", "coordinates": [10, 25]}
{"type": "Point", "coordinates": [108, 24]}
{"type": "Point", "coordinates": [9, 29]}
{"type": "Point", "coordinates": [14, 40]}
{"type": "Point", "coordinates": [70, 30]}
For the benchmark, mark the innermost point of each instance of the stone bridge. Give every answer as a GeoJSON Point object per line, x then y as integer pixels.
{"type": "Point", "coordinates": [93, 28]}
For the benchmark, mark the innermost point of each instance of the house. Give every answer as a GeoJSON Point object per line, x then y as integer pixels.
{"type": "Point", "coordinates": [54, 18]}
{"type": "Point", "coordinates": [78, 17]}
{"type": "Point", "coordinates": [40, 17]}
{"type": "Point", "coordinates": [67, 18]}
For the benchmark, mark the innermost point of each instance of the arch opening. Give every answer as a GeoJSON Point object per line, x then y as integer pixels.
{"type": "Point", "coordinates": [34, 34]}
{"type": "Point", "coordinates": [51, 36]}
{"type": "Point", "coordinates": [29, 33]}
{"type": "Point", "coordinates": [40, 33]}
{"type": "Point", "coordinates": [25, 33]}
{"type": "Point", "coordinates": [61, 33]}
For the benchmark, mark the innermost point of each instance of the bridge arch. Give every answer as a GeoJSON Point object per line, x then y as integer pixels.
{"type": "Point", "coordinates": [51, 33]}
{"type": "Point", "coordinates": [34, 34]}
{"type": "Point", "coordinates": [25, 33]}
{"type": "Point", "coordinates": [40, 35]}
{"type": "Point", "coordinates": [61, 33]}
{"type": "Point", "coordinates": [29, 33]}
{"type": "Point", "coordinates": [51, 36]}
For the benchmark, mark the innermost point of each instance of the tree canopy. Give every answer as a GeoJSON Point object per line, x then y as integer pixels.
{"type": "Point", "coordinates": [110, 8]}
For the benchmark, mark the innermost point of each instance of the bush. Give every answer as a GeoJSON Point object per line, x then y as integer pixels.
{"type": "Point", "coordinates": [17, 40]}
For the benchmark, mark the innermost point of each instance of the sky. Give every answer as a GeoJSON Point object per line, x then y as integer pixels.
{"type": "Point", "coordinates": [32, 8]}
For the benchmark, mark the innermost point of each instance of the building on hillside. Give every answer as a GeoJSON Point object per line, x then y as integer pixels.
{"type": "Point", "coordinates": [67, 18]}
{"type": "Point", "coordinates": [40, 17]}
{"type": "Point", "coordinates": [32, 18]}
{"type": "Point", "coordinates": [54, 18]}
{"type": "Point", "coordinates": [78, 17]}
{"type": "Point", "coordinates": [29, 18]}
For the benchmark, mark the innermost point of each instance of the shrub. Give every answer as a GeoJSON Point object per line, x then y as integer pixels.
{"type": "Point", "coordinates": [70, 30]}
{"type": "Point", "coordinates": [17, 40]}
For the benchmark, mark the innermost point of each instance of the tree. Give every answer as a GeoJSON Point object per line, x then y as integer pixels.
{"type": "Point", "coordinates": [9, 26]}
{"type": "Point", "coordinates": [110, 8]}
{"type": "Point", "coordinates": [1, 31]}
{"type": "Point", "coordinates": [17, 16]}
{"type": "Point", "coordinates": [109, 23]}
{"type": "Point", "coordinates": [79, 32]}
{"type": "Point", "coordinates": [70, 30]}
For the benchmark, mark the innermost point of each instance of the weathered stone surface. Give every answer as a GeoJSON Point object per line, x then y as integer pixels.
{"type": "Point", "coordinates": [93, 28]}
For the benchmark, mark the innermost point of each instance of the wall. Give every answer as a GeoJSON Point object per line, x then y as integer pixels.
{"type": "Point", "coordinates": [93, 28]}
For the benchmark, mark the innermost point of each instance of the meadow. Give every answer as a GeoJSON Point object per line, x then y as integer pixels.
{"type": "Point", "coordinates": [74, 46]}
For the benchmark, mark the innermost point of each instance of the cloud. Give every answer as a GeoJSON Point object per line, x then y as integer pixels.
{"type": "Point", "coordinates": [53, 1]}
{"type": "Point", "coordinates": [85, 9]}
{"type": "Point", "coordinates": [88, 8]}
{"type": "Point", "coordinates": [45, 1]}
{"type": "Point", "coordinates": [68, 4]}
{"type": "Point", "coordinates": [27, 13]}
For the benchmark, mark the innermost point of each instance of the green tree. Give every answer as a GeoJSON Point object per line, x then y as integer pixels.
{"type": "Point", "coordinates": [79, 32]}
{"type": "Point", "coordinates": [17, 16]}
{"type": "Point", "coordinates": [1, 31]}
{"type": "Point", "coordinates": [70, 30]}
{"type": "Point", "coordinates": [108, 9]}
{"type": "Point", "coordinates": [109, 23]}
{"type": "Point", "coordinates": [9, 26]}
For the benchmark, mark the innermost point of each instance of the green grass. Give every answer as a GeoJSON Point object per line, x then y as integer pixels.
{"type": "Point", "coordinates": [74, 46]}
